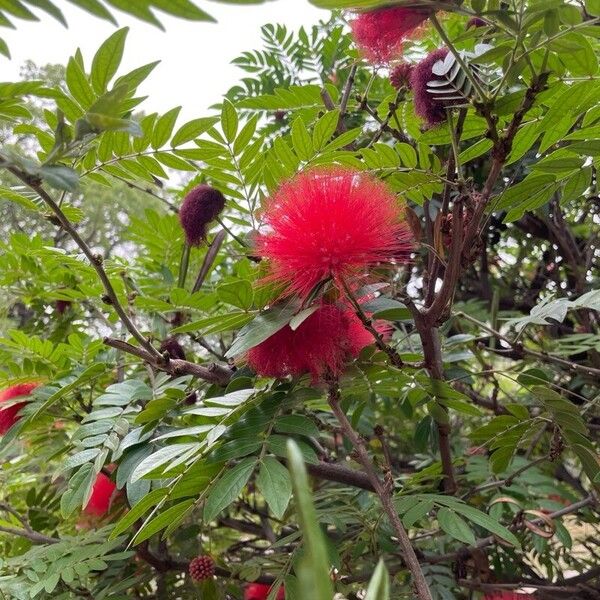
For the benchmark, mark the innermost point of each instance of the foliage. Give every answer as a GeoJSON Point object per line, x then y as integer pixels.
{"type": "Point", "coordinates": [471, 429]}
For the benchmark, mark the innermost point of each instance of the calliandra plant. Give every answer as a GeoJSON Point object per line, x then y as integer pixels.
{"type": "Point", "coordinates": [395, 397]}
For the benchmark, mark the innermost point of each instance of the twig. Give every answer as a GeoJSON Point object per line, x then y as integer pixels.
{"type": "Point", "coordinates": [384, 493]}
{"type": "Point", "coordinates": [213, 373]}
{"type": "Point", "coordinates": [96, 261]}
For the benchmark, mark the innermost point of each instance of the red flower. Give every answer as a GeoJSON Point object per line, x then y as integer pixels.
{"type": "Point", "coordinates": [102, 492]}
{"type": "Point", "coordinates": [506, 596]}
{"type": "Point", "coordinates": [322, 343]}
{"type": "Point", "coordinates": [202, 205]}
{"type": "Point", "coordinates": [10, 415]}
{"type": "Point", "coordinates": [331, 223]}
{"type": "Point", "coordinates": [260, 591]}
{"type": "Point", "coordinates": [379, 33]}
{"type": "Point", "coordinates": [426, 105]}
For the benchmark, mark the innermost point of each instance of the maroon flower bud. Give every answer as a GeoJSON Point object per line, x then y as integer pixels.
{"type": "Point", "coordinates": [202, 568]}
{"type": "Point", "coordinates": [400, 75]}
{"type": "Point", "coordinates": [426, 104]}
{"type": "Point", "coordinates": [173, 347]}
{"type": "Point", "coordinates": [202, 205]}
{"type": "Point", "coordinates": [476, 22]}
{"type": "Point", "coordinates": [61, 306]}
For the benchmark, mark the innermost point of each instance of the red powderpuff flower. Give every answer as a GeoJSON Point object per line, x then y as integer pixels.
{"type": "Point", "coordinates": [260, 591]}
{"type": "Point", "coordinates": [10, 415]}
{"type": "Point", "coordinates": [321, 344]}
{"type": "Point", "coordinates": [102, 493]}
{"type": "Point", "coordinates": [202, 205]}
{"type": "Point", "coordinates": [379, 33]}
{"type": "Point", "coordinates": [507, 596]}
{"type": "Point", "coordinates": [331, 223]}
{"type": "Point", "coordinates": [426, 105]}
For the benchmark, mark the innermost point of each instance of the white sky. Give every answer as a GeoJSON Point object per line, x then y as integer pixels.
{"type": "Point", "coordinates": [195, 70]}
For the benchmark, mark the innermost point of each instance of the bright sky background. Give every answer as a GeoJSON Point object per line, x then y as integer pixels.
{"type": "Point", "coordinates": [195, 70]}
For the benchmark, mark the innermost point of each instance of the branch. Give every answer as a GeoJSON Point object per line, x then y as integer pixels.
{"type": "Point", "coordinates": [95, 260]}
{"type": "Point", "coordinates": [33, 536]}
{"type": "Point", "coordinates": [384, 491]}
{"type": "Point", "coordinates": [214, 373]}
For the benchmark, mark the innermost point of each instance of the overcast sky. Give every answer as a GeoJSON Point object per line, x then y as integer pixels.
{"type": "Point", "coordinates": [195, 69]}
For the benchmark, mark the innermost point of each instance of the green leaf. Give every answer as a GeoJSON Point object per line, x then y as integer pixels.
{"type": "Point", "coordinates": [62, 178]}
{"type": "Point", "coordinates": [78, 491]}
{"type": "Point", "coordinates": [259, 329]}
{"type": "Point", "coordinates": [275, 485]}
{"type": "Point", "coordinates": [487, 522]}
{"type": "Point", "coordinates": [164, 127]}
{"type": "Point", "coordinates": [296, 424]}
{"type": "Point", "coordinates": [182, 8]}
{"type": "Point", "coordinates": [593, 7]}
{"type": "Point", "coordinates": [237, 293]}
{"type": "Point", "coordinates": [228, 488]}
{"type": "Point", "coordinates": [313, 573]}
{"type": "Point", "coordinates": [379, 585]}
{"type": "Point", "coordinates": [229, 121]}
{"type": "Point", "coordinates": [325, 128]}
{"type": "Point", "coordinates": [301, 140]}
{"type": "Point", "coordinates": [95, 8]}
{"type": "Point", "coordinates": [78, 84]}
{"type": "Point", "coordinates": [192, 129]}
{"type": "Point", "coordinates": [12, 196]}
{"type": "Point", "coordinates": [455, 526]}
{"type": "Point", "coordinates": [158, 523]}
{"type": "Point", "coordinates": [161, 457]}
{"type": "Point", "coordinates": [138, 511]}
{"type": "Point", "coordinates": [107, 60]}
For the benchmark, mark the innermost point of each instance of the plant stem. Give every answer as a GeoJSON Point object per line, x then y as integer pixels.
{"type": "Point", "coordinates": [383, 491]}
{"type": "Point", "coordinates": [96, 261]}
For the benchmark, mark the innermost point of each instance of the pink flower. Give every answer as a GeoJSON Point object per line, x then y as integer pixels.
{"type": "Point", "coordinates": [379, 33]}
{"type": "Point", "coordinates": [10, 415]}
{"type": "Point", "coordinates": [320, 345]}
{"type": "Point", "coordinates": [426, 105]}
{"type": "Point", "coordinates": [201, 205]}
{"type": "Point", "coordinates": [331, 223]}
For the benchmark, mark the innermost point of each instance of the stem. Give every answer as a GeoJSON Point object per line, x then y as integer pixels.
{"type": "Point", "coordinates": [183, 265]}
{"type": "Point", "coordinates": [214, 373]}
{"type": "Point", "coordinates": [95, 261]}
{"type": "Point", "coordinates": [384, 493]}
{"type": "Point", "coordinates": [394, 357]}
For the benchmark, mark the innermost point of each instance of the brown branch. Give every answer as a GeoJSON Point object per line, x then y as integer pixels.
{"type": "Point", "coordinates": [96, 261]}
{"type": "Point", "coordinates": [500, 152]}
{"type": "Point", "coordinates": [214, 373]}
{"type": "Point", "coordinates": [33, 536]}
{"type": "Point", "coordinates": [384, 491]}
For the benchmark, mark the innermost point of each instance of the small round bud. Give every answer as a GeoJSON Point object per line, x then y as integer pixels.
{"type": "Point", "coordinates": [202, 568]}
{"type": "Point", "coordinates": [173, 347]}
{"type": "Point", "coordinates": [400, 75]}
{"type": "Point", "coordinates": [202, 205]}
